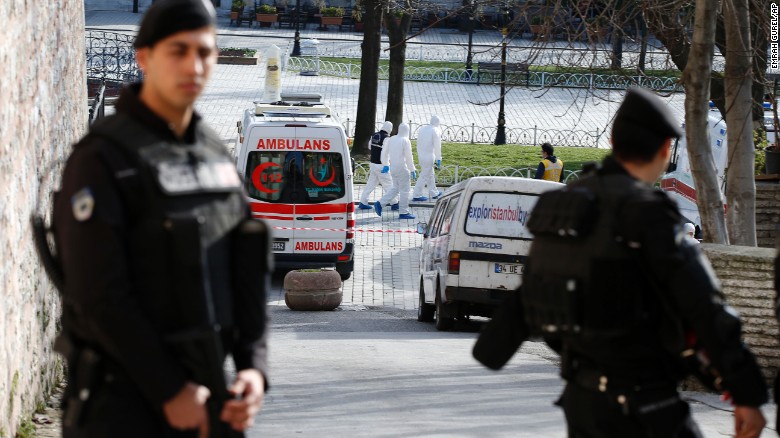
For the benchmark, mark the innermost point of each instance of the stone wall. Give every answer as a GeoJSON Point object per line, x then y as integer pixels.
{"type": "Point", "coordinates": [767, 212]}
{"type": "Point", "coordinates": [747, 277]}
{"type": "Point", "coordinates": [43, 98]}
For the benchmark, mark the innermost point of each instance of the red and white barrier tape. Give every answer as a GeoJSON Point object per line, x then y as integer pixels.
{"type": "Point", "coordinates": [357, 230]}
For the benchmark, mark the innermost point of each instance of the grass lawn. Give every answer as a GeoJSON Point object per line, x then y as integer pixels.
{"type": "Point", "coordinates": [548, 68]}
{"type": "Point", "coordinates": [509, 156]}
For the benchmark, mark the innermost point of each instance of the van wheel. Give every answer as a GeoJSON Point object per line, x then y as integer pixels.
{"type": "Point", "coordinates": [443, 323]}
{"type": "Point", "coordinates": [345, 274]}
{"type": "Point", "coordinates": [425, 311]}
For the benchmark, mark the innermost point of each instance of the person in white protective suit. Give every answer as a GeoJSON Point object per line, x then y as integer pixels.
{"type": "Point", "coordinates": [428, 155]}
{"type": "Point", "coordinates": [379, 171]}
{"type": "Point", "coordinates": [398, 149]}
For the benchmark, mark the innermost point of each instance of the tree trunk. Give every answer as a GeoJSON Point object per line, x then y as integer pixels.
{"type": "Point", "coordinates": [740, 183]}
{"type": "Point", "coordinates": [365, 120]}
{"type": "Point", "coordinates": [696, 78]}
{"type": "Point", "coordinates": [396, 33]}
{"type": "Point", "coordinates": [642, 27]}
{"type": "Point", "coordinates": [617, 44]}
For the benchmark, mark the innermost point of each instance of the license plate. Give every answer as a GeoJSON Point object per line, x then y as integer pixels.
{"type": "Point", "coordinates": [278, 246]}
{"type": "Point", "coordinates": [508, 268]}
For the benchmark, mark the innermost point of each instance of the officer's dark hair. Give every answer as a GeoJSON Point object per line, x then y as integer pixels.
{"type": "Point", "coordinates": [641, 126]}
{"type": "Point", "coordinates": [547, 147]}
{"type": "Point", "coordinates": [167, 17]}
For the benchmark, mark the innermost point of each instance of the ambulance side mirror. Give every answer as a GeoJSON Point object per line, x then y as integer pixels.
{"type": "Point", "coordinates": [422, 228]}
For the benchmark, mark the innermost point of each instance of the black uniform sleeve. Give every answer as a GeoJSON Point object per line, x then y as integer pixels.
{"type": "Point", "coordinates": [252, 266]}
{"type": "Point", "coordinates": [539, 171]}
{"type": "Point", "coordinates": [98, 289]}
{"type": "Point", "coordinates": [686, 282]}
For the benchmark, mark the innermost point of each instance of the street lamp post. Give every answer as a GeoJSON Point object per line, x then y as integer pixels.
{"type": "Point", "coordinates": [469, 55]}
{"type": "Point", "coordinates": [296, 51]}
{"type": "Point", "coordinates": [501, 128]}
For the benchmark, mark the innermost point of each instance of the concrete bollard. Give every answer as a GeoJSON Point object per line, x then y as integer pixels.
{"type": "Point", "coordinates": [312, 290]}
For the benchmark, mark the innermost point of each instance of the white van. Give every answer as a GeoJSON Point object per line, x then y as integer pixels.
{"type": "Point", "coordinates": [475, 245]}
{"type": "Point", "coordinates": [298, 176]}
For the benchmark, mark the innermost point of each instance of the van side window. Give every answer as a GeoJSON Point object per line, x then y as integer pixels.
{"type": "Point", "coordinates": [435, 225]}
{"type": "Point", "coordinates": [447, 218]}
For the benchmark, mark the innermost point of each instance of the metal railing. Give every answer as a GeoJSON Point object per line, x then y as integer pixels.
{"type": "Point", "coordinates": [98, 108]}
{"type": "Point", "coordinates": [111, 57]}
{"type": "Point", "coordinates": [453, 174]}
{"type": "Point", "coordinates": [540, 53]}
{"type": "Point", "coordinates": [461, 75]}
{"type": "Point", "coordinates": [486, 135]}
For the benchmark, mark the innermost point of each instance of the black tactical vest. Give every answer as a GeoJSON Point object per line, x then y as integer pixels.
{"type": "Point", "coordinates": [183, 201]}
{"type": "Point", "coordinates": [377, 140]}
{"type": "Point", "coordinates": [584, 282]}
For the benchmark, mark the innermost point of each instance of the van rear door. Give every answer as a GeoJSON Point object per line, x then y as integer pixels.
{"type": "Point", "coordinates": [496, 239]}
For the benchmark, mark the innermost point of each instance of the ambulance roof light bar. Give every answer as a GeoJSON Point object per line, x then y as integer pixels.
{"type": "Point", "coordinates": [285, 109]}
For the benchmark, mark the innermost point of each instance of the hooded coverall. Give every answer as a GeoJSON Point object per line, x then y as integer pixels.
{"type": "Point", "coordinates": [398, 149]}
{"type": "Point", "coordinates": [428, 152]}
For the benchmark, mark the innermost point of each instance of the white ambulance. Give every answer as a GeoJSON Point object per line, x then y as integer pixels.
{"type": "Point", "coordinates": [678, 181]}
{"type": "Point", "coordinates": [297, 171]}
{"type": "Point", "coordinates": [475, 246]}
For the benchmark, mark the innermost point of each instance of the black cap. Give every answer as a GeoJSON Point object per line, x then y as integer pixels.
{"type": "Point", "coordinates": [167, 17]}
{"type": "Point", "coordinates": [642, 111]}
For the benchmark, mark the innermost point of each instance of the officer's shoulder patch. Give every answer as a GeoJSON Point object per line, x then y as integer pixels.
{"type": "Point", "coordinates": [83, 204]}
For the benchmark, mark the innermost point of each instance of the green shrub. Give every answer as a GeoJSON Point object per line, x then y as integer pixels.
{"type": "Point", "coordinates": [266, 9]}
{"type": "Point", "coordinates": [332, 11]}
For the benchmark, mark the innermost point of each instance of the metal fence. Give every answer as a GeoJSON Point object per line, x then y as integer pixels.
{"type": "Point", "coordinates": [514, 135]}
{"type": "Point", "coordinates": [111, 57]}
{"type": "Point", "coordinates": [542, 53]}
{"type": "Point", "coordinates": [453, 174]}
{"type": "Point", "coordinates": [461, 75]}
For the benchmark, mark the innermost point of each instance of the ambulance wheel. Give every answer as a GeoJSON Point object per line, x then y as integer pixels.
{"type": "Point", "coordinates": [345, 273]}
{"type": "Point", "coordinates": [425, 311]}
{"type": "Point", "coordinates": [443, 323]}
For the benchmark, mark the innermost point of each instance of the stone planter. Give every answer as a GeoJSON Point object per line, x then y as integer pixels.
{"type": "Point", "coordinates": [335, 21]}
{"type": "Point", "coordinates": [540, 31]}
{"type": "Point", "coordinates": [312, 290]}
{"type": "Point", "coordinates": [239, 60]}
{"type": "Point", "coordinates": [266, 20]}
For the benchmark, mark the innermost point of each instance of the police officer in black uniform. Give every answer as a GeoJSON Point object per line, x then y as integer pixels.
{"type": "Point", "coordinates": [630, 305]}
{"type": "Point", "coordinates": [165, 272]}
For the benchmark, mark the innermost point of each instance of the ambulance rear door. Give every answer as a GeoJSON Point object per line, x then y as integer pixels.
{"type": "Point", "coordinates": [268, 182]}
{"type": "Point", "coordinates": [323, 220]}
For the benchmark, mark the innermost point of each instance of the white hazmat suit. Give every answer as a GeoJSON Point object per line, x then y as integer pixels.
{"type": "Point", "coordinates": [398, 149]}
{"type": "Point", "coordinates": [428, 153]}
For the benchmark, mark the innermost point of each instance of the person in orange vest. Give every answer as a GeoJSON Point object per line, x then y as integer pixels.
{"type": "Point", "coordinates": [550, 168]}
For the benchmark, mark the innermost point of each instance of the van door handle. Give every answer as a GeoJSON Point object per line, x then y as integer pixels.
{"type": "Point", "coordinates": [303, 218]}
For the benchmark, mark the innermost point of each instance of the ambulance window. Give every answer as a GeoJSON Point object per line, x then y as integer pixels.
{"type": "Point", "coordinates": [323, 177]}
{"type": "Point", "coordinates": [268, 173]}
{"type": "Point", "coordinates": [445, 226]}
{"type": "Point", "coordinates": [294, 177]}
